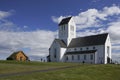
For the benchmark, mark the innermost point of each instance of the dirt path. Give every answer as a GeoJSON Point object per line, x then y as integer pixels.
{"type": "Point", "coordinates": [30, 72]}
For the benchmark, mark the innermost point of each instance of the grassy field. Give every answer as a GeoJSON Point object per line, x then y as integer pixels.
{"type": "Point", "coordinates": [81, 72]}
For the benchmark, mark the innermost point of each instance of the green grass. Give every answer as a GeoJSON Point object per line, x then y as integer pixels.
{"type": "Point", "coordinates": [81, 72]}
{"type": "Point", "coordinates": [16, 66]}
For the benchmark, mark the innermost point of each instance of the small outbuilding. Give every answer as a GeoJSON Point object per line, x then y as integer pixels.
{"type": "Point", "coordinates": [18, 56]}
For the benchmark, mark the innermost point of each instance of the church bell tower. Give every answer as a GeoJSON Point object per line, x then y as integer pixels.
{"type": "Point", "coordinates": [67, 30]}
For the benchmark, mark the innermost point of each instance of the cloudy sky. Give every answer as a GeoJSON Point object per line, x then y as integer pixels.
{"type": "Point", "coordinates": [32, 25]}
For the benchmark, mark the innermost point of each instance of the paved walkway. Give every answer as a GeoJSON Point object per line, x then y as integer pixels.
{"type": "Point", "coordinates": [30, 72]}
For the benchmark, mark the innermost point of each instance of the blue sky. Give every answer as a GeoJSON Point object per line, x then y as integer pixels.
{"type": "Point", "coordinates": [31, 25]}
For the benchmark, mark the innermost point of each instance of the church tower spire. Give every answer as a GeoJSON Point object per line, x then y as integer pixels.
{"type": "Point", "coordinates": [67, 30]}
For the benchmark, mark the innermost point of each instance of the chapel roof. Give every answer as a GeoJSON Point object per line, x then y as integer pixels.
{"type": "Point", "coordinates": [61, 42]}
{"type": "Point", "coordinates": [65, 21]}
{"type": "Point", "coordinates": [88, 40]}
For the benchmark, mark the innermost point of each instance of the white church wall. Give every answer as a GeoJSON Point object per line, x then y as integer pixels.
{"type": "Point", "coordinates": [66, 33]}
{"type": "Point", "coordinates": [63, 32]}
{"type": "Point", "coordinates": [71, 33]}
{"type": "Point", "coordinates": [62, 52]}
{"type": "Point", "coordinates": [99, 56]}
{"type": "Point", "coordinates": [74, 58]}
{"type": "Point", "coordinates": [69, 29]}
{"type": "Point", "coordinates": [52, 53]}
{"type": "Point", "coordinates": [107, 52]}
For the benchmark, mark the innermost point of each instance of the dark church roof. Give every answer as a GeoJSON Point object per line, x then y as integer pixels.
{"type": "Point", "coordinates": [88, 40]}
{"type": "Point", "coordinates": [61, 42]}
{"type": "Point", "coordinates": [65, 21]}
{"type": "Point", "coordinates": [81, 52]}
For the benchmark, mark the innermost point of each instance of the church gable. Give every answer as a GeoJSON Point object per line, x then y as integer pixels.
{"type": "Point", "coordinates": [58, 42]}
{"type": "Point", "coordinates": [61, 43]}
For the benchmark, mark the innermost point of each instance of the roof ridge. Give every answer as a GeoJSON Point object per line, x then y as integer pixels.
{"type": "Point", "coordinates": [90, 35]}
{"type": "Point", "coordinates": [65, 20]}
{"type": "Point", "coordinates": [98, 39]}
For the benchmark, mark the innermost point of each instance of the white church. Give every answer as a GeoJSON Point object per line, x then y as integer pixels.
{"type": "Point", "coordinates": [93, 49]}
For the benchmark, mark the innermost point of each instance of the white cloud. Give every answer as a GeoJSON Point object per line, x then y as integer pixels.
{"type": "Point", "coordinates": [94, 21]}
{"type": "Point", "coordinates": [13, 38]}
{"type": "Point", "coordinates": [113, 29]}
{"type": "Point", "coordinates": [111, 10]}
{"type": "Point", "coordinates": [92, 17]}
{"type": "Point", "coordinates": [4, 14]}
{"type": "Point", "coordinates": [38, 42]}
{"type": "Point", "coordinates": [25, 26]}
{"type": "Point", "coordinates": [5, 24]}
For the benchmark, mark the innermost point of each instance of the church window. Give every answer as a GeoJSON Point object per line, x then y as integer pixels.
{"type": "Point", "coordinates": [87, 48]}
{"type": "Point", "coordinates": [64, 27]}
{"type": "Point", "coordinates": [91, 57]}
{"type": "Point", "coordinates": [61, 28]}
{"type": "Point", "coordinates": [72, 57]}
{"type": "Point", "coordinates": [66, 57]}
{"type": "Point", "coordinates": [78, 57]}
{"type": "Point", "coordinates": [55, 52]}
{"type": "Point", "coordinates": [75, 49]}
{"type": "Point", "coordinates": [84, 57]}
{"type": "Point", "coordinates": [94, 47]}
{"type": "Point", "coordinates": [108, 50]}
{"type": "Point", "coordinates": [81, 49]}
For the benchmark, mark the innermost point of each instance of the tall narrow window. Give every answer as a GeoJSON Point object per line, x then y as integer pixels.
{"type": "Point", "coordinates": [78, 57]}
{"type": "Point", "coordinates": [84, 57]}
{"type": "Point", "coordinates": [72, 57]}
{"type": "Point", "coordinates": [87, 48]}
{"type": "Point", "coordinates": [91, 57]}
{"type": "Point", "coordinates": [62, 28]}
{"type": "Point", "coordinates": [81, 49]}
{"type": "Point", "coordinates": [108, 50]}
{"type": "Point", "coordinates": [67, 58]}
{"type": "Point", "coordinates": [55, 52]}
{"type": "Point", "coordinates": [94, 47]}
{"type": "Point", "coordinates": [75, 49]}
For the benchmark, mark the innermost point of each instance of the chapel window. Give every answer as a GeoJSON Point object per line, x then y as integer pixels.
{"type": "Point", "coordinates": [72, 57]}
{"type": "Point", "coordinates": [84, 57]}
{"type": "Point", "coordinates": [81, 49]}
{"type": "Point", "coordinates": [67, 58]}
{"type": "Point", "coordinates": [55, 53]}
{"type": "Point", "coordinates": [78, 57]}
{"type": "Point", "coordinates": [87, 48]}
{"type": "Point", "coordinates": [91, 57]}
{"type": "Point", "coordinates": [94, 47]}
